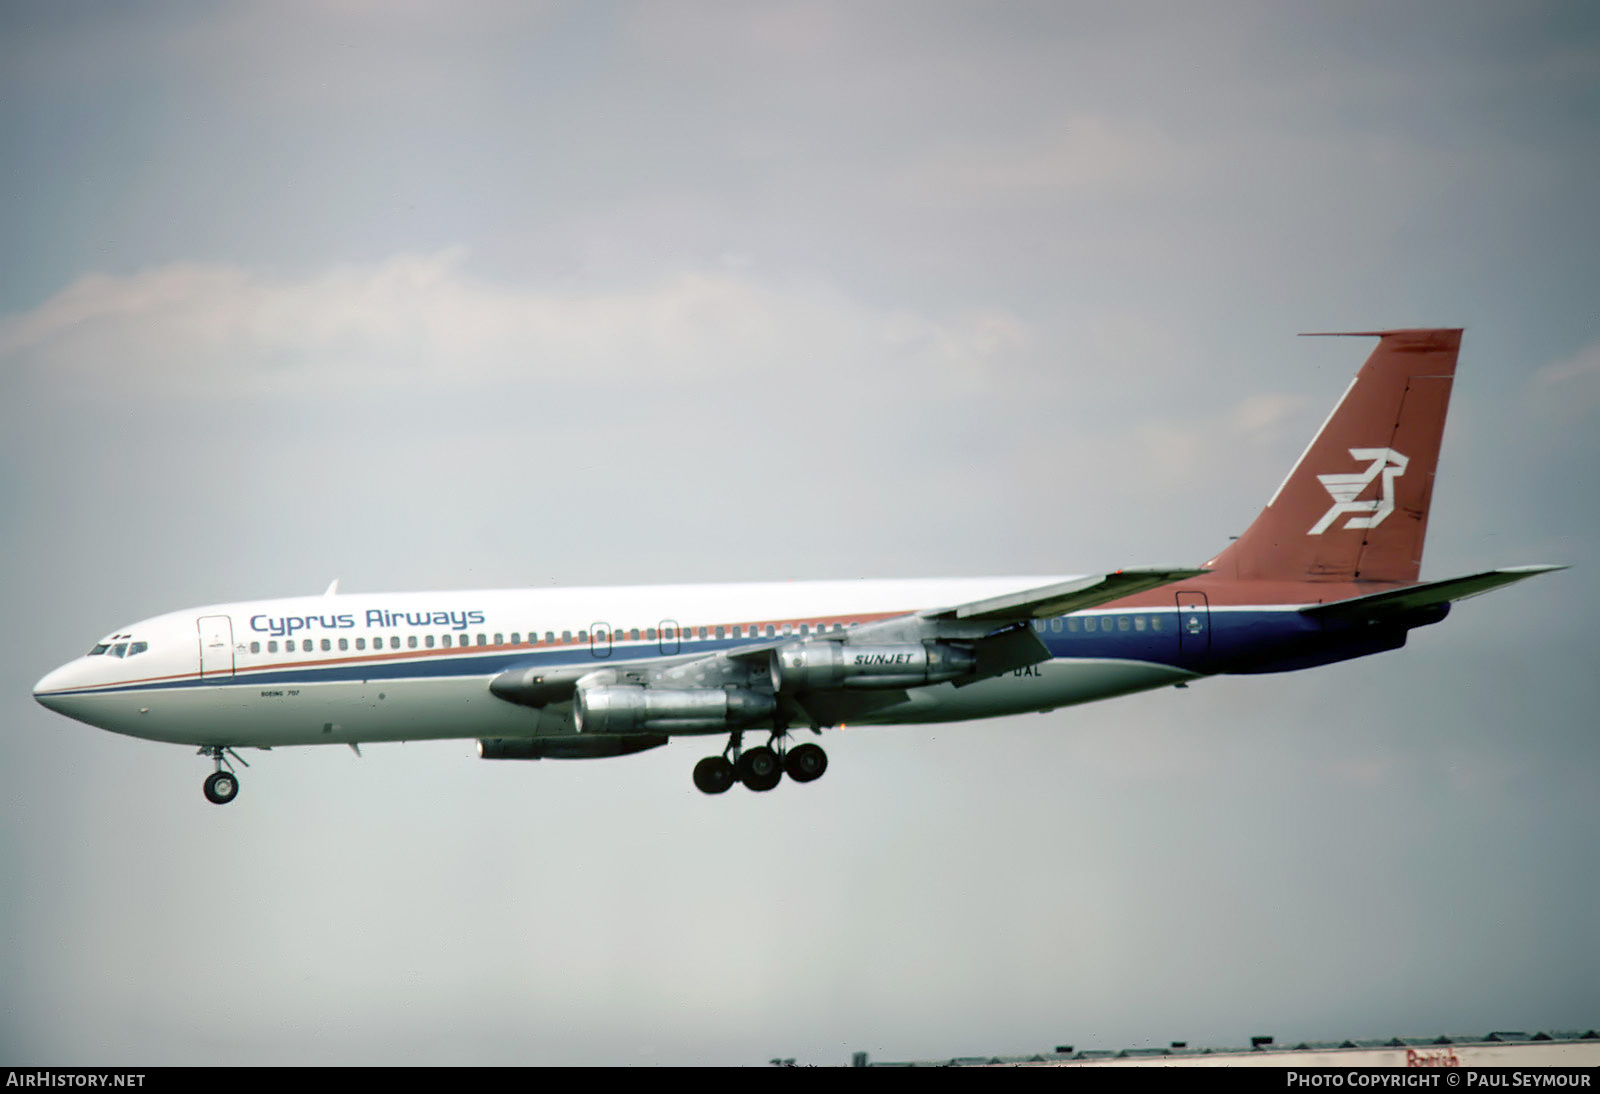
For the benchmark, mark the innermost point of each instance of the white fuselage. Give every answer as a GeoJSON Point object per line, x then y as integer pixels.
{"type": "Point", "coordinates": [413, 666]}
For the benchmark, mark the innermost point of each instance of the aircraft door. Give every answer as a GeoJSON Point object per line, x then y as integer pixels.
{"type": "Point", "coordinates": [600, 639]}
{"type": "Point", "coordinates": [669, 636]}
{"type": "Point", "coordinates": [216, 646]}
{"type": "Point", "coordinates": [1194, 625]}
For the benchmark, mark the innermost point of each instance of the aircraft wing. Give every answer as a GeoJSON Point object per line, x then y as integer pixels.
{"type": "Point", "coordinates": [1066, 597]}
{"type": "Point", "coordinates": [1425, 595]}
{"type": "Point", "coordinates": [997, 627]}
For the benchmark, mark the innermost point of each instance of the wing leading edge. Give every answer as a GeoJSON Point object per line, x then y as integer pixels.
{"type": "Point", "coordinates": [1067, 597]}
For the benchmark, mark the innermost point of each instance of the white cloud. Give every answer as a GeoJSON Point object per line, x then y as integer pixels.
{"type": "Point", "coordinates": [196, 329]}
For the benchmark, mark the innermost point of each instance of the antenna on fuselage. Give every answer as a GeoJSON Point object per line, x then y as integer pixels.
{"type": "Point", "coordinates": [333, 588]}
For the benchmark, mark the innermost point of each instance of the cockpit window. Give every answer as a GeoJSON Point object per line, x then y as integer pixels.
{"type": "Point", "coordinates": [119, 650]}
{"type": "Point", "coordinates": [137, 648]}
{"type": "Point", "coordinates": [99, 649]}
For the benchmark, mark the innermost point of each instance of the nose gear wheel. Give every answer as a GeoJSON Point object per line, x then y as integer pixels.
{"type": "Point", "coordinates": [221, 787]}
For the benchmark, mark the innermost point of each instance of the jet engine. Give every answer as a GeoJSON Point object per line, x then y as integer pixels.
{"type": "Point", "coordinates": [809, 666]}
{"type": "Point", "coordinates": [626, 708]}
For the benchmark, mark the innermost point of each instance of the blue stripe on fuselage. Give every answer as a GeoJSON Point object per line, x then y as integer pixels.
{"type": "Point", "coordinates": [1226, 636]}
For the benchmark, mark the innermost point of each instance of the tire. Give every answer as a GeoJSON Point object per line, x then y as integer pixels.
{"type": "Point", "coordinates": [805, 763]}
{"type": "Point", "coordinates": [713, 775]}
{"type": "Point", "coordinates": [760, 769]}
{"type": "Point", "coordinates": [222, 787]}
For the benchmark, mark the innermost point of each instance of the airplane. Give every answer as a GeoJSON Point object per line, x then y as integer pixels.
{"type": "Point", "coordinates": [1327, 572]}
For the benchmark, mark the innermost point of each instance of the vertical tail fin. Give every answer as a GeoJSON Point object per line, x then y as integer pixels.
{"type": "Point", "coordinates": [1355, 507]}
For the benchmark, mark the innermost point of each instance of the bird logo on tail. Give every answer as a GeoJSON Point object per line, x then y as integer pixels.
{"type": "Point", "coordinates": [1345, 489]}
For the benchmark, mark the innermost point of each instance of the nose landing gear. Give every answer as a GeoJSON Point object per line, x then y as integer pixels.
{"type": "Point", "coordinates": [221, 787]}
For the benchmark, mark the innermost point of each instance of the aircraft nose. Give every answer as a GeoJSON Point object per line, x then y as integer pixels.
{"type": "Point", "coordinates": [52, 682]}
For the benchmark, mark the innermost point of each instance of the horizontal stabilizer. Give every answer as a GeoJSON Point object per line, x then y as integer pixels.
{"type": "Point", "coordinates": [1425, 595]}
{"type": "Point", "coordinates": [1068, 596]}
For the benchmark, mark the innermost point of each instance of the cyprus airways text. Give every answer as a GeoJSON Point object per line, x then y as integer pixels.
{"type": "Point", "coordinates": [280, 626]}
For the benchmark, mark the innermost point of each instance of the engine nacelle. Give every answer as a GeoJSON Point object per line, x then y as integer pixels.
{"type": "Point", "coordinates": [627, 708]}
{"type": "Point", "coordinates": [812, 666]}
{"type": "Point", "coordinates": [565, 748]}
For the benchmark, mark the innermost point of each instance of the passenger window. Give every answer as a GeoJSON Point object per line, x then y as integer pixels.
{"type": "Point", "coordinates": [633, 634]}
{"type": "Point", "coordinates": [1155, 622]}
{"type": "Point", "coordinates": [550, 637]}
{"type": "Point", "coordinates": [516, 638]}
{"type": "Point", "coordinates": [1089, 624]}
{"type": "Point", "coordinates": [566, 636]}
{"type": "Point", "coordinates": [411, 641]}
{"type": "Point", "coordinates": [1138, 622]}
{"type": "Point", "coordinates": [118, 653]}
{"type": "Point", "coordinates": [1055, 624]}
{"type": "Point", "coordinates": [650, 634]}
{"type": "Point", "coordinates": [702, 632]}
{"type": "Point", "coordinates": [1072, 625]}
{"type": "Point", "coordinates": [326, 645]}
{"type": "Point", "coordinates": [499, 639]}
{"type": "Point", "coordinates": [344, 643]}
{"type": "Point", "coordinates": [1122, 623]}
{"type": "Point", "coordinates": [255, 647]}
{"type": "Point", "coordinates": [445, 641]}
{"type": "Point", "coordinates": [361, 643]}
{"type": "Point", "coordinates": [394, 641]}
{"type": "Point", "coordinates": [428, 641]}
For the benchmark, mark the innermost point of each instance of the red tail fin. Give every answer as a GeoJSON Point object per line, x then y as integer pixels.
{"type": "Point", "coordinates": [1355, 508]}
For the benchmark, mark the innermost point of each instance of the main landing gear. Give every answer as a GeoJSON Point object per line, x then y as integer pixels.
{"type": "Point", "coordinates": [221, 787]}
{"type": "Point", "coordinates": [759, 768]}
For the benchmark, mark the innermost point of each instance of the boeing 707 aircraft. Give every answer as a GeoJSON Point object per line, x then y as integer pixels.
{"type": "Point", "coordinates": [1327, 572]}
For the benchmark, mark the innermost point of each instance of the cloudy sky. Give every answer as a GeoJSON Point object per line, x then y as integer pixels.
{"type": "Point", "coordinates": [427, 296]}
